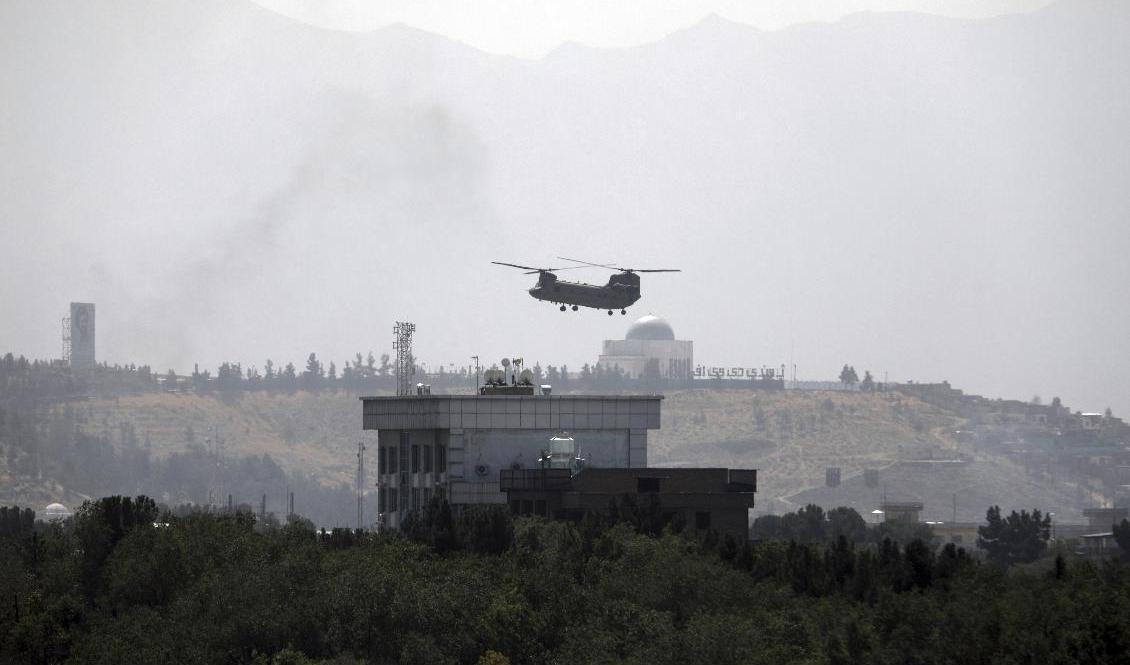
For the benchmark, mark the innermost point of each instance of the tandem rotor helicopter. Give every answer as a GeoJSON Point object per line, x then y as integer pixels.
{"type": "Point", "coordinates": [621, 291]}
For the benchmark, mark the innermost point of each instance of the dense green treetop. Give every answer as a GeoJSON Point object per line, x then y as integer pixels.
{"type": "Point", "coordinates": [117, 585]}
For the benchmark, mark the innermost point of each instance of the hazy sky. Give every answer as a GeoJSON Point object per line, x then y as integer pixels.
{"type": "Point", "coordinates": [530, 29]}
{"type": "Point", "coordinates": [937, 198]}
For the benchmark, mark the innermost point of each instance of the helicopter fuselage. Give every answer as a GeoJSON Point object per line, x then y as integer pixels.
{"type": "Point", "coordinates": [621, 291]}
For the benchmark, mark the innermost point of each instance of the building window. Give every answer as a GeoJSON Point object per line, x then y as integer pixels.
{"type": "Point", "coordinates": [427, 459]}
{"type": "Point", "coordinates": [441, 459]}
{"type": "Point", "coordinates": [441, 493]}
{"type": "Point", "coordinates": [701, 521]}
{"type": "Point", "coordinates": [405, 445]}
{"type": "Point", "coordinates": [416, 458]}
{"type": "Point", "coordinates": [539, 507]}
{"type": "Point", "coordinates": [956, 540]}
{"type": "Point", "coordinates": [427, 496]}
{"type": "Point", "coordinates": [647, 485]}
{"type": "Point", "coordinates": [391, 468]}
{"type": "Point", "coordinates": [391, 501]}
{"type": "Point", "coordinates": [381, 500]}
{"type": "Point", "coordinates": [382, 454]}
{"type": "Point", "coordinates": [527, 506]}
{"type": "Point", "coordinates": [415, 498]}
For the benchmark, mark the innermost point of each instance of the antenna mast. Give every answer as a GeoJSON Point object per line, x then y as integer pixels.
{"type": "Point", "coordinates": [67, 340]}
{"type": "Point", "coordinates": [360, 484]}
{"type": "Point", "coordinates": [402, 344]}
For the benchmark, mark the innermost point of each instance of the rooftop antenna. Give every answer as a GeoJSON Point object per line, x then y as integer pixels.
{"type": "Point", "coordinates": [360, 484]}
{"type": "Point", "coordinates": [476, 359]}
{"type": "Point", "coordinates": [402, 344]}
{"type": "Point", "coordinates": [67, 340]}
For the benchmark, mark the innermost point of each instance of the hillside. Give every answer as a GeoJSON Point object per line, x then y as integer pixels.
{"type": "Point", "coordinates": [311, 432]}
{"type": "Point", "coordinates": [790, 437]}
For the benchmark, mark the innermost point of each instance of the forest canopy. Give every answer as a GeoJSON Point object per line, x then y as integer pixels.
{"type": "Point", "coordinates": [125, 581]}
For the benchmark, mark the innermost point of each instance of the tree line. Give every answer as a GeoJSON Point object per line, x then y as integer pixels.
{"type": "Point", "coordinates": [123, 581]}
{"type": "Point", "coordinates": [30, 381]}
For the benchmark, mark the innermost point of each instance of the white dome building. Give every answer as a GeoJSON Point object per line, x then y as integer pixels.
{"type": "Point", "coordinates": [650, 341]}
{"type": "Point", "coordinates": [55, 511]}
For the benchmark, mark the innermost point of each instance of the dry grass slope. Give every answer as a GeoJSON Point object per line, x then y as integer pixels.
{"type": "Point", "coordinates": [791, 437]}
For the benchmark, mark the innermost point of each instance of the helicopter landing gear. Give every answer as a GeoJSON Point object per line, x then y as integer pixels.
{"type": "Point", "coordinates": [609, 312]}
{"type": "Point", "coordinates": [574, 308]}
{"type": "Point", "coordinates": [563, 308]}
{"type": "Point", "coordinates": [623, 311]}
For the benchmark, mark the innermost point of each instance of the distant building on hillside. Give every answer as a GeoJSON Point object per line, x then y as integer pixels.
{"type": "Point", "coordinates": [1102, 518]}
{"type": "Point", "coordinates": [649, 349]}
{"type": "Point", "coordinates": [901, 510]}
{"type": "Point", "coordinates": [55, 511]}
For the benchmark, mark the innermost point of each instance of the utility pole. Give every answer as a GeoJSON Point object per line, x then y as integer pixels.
{"type": "Point", "coordinates": [360, 484]}
{"type": "Point", "coordinates": [476, 359]}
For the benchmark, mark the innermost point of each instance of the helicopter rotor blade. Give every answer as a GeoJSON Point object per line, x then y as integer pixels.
{"type": "Point", "coordinates": [612, 266]}
{"type": "Point", "coordinates": [515, 265]}
{"type": "Point", "coordinates": [530, 270]}
{"type": "Point", "coordinates": [587, 263]}
{"type": "Point", "coordinates": [534, 272]}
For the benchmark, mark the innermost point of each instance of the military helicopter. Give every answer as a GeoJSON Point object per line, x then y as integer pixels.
{"type": "Point", "coordinates": [621, 291]}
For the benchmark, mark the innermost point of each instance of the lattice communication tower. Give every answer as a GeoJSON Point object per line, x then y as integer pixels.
{"type": "Point", "coordinates": [405, 363]}
{"type": "Point", "coordinates": [67, 340]}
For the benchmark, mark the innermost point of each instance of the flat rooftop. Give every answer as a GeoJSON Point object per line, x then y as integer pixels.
{"type": "Point", "coordinates": [401, 398]}
{"type": "Point", "coordinates": [565, 412]}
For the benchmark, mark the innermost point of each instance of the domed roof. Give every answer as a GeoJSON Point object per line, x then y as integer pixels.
{"type": "Point", "coordinates": [56, 511]}
{"type": "Point", "coordinates": [650, 327]}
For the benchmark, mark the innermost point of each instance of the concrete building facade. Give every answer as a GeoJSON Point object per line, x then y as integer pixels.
{"type": "Point", "coordinates": [650, 341]}
{"type": "Point", "coordinates": [702, 499]}
{"type": "Point", "coordinates": [901, 510]}
{"type": "Point", "coordinates": [454, 446]}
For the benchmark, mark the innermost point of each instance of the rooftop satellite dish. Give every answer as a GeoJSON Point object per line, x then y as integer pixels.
{"type": "Point", "coordinates": [505, 362]}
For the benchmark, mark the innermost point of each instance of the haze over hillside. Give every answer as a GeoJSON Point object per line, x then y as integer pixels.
{"type": "Point", "coordinates": [936, 198]}
{"type": "Point", "coordinates": [532, 29]}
